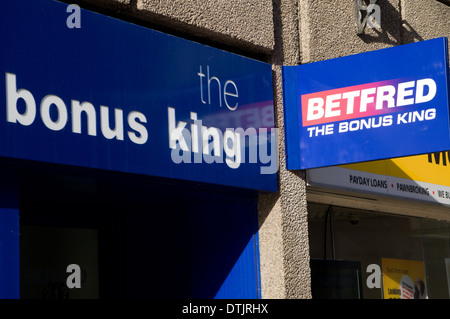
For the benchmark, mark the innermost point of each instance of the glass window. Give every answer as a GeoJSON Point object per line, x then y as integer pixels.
{"type": "Point", "coordinates": [45, 254]}
{"type": "Point", "coordinates": [391, 256]}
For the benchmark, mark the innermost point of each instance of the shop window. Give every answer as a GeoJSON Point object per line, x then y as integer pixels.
{"type": "Point", "coordinates": [47, 251]}
{"type": "Point", "coordinates": [135, 237]}
{"type": "Point", "coordinates": [391, 256]}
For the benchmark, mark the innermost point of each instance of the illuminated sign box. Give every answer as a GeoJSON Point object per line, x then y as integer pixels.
{"type": "Point", "coordinates": [106, 94]}
{"type": "Point", "coordinates": [370, 106]}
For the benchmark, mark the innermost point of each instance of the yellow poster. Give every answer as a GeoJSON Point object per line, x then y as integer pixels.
{"type": "Point", "coordinates": [403, 279]}
{"type": "Point", "coordinates": [433, 168]}
{"type": "Point", "coordinates": [422, 177]}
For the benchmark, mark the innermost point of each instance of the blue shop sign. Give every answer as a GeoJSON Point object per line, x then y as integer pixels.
{"type": "Point", "coordinates": [96, 92]}
{"type": "Point", "coordinates": [382, 104]}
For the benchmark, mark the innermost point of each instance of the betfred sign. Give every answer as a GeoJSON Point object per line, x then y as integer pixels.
{"type": "Point", "coordinates": [376, 105]}
{"type": "Point", "coordinates": [366, 100]}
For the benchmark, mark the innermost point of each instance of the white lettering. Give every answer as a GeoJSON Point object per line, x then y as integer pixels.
{"type": "Point", "coordinates": [74, 279]}
{"type": "Point", "coordinates": [12, 96]}
{"type": "Point", "coordinates": [226, 93]}
{"type": "Point", "coordinates": [420, 97]}
{"type": "Point", "coordinates": [374, 98]}
{"type": "Point", "coordinates": [332, 104]}
{"type": "Point", "coordinates": [232, 151]}
{"type": "Point", "coordinates": [350, 97]}
{"type": "Point", "coordinates": [89, 110]}
{"type": "Point", "coordinates": [60, 122]}
{"type": "Point", "coordinates": [208, 144]}
{"type": "Point", "coordinates": [374, 279]}
{"type": "Point", "coordinates": [366, 99]}
{"type": "Point", "coordinates": [405, 90]}
{"type": "Point", "coordinates": [109, 133]}
{"type": "Point", "coordinates": [176, 132]}
{"type": "Point", "coordinates": [315, 109]}
{"type": "Point", "coordinates": [383, 97]}
{"type": "Point", "coordinates": [138, 127]}
{"type": "Point", "coordinates": [73, 20]}
{"type": "Point", "coordinates": [21, 108]}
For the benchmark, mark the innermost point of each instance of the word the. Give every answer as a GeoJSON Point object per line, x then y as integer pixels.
{"type": "Point", "coordinates": [226, 93]}
{"type": "Point", "coordinates": [55, 115]}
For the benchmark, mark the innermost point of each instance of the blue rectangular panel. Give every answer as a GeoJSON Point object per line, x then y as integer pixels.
{"type": "Point", "coordinates": [224, 250]}
{"type": "Point", "coordinates": [376, 105]}
{"type": "Point", "coordinates": [111, 95]}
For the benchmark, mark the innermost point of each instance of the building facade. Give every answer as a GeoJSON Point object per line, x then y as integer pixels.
{"type": "Point", "coordinates": [201, 239]}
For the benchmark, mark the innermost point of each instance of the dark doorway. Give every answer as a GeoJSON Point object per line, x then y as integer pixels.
{"type": "Point", "coordinates": [135, 237]}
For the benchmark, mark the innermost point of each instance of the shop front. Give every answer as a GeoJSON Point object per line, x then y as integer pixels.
{"type": "Point", "coordinates": [380, 229]}
{"type": "Point", "coordinates": [374, 144]}
{"type": "Point", "coordinates": [131, 160]}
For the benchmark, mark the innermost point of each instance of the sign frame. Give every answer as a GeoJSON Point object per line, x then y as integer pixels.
{"type": "Point", "coordinates": [147, 96]}
{"type": "Point", "coordinates": [334, 141]}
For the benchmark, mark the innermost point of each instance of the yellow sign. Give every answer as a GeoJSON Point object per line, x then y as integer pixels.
{"type": "Point", "coordinates": [403, 279]}
{"type": "Point", "coordinates": [422, 177]}
{"type": "Point", "coordinates": [433, 168]}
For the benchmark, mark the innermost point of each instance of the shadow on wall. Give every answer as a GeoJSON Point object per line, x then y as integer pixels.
{"type": "Point", "coordinates": [389, 32]}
